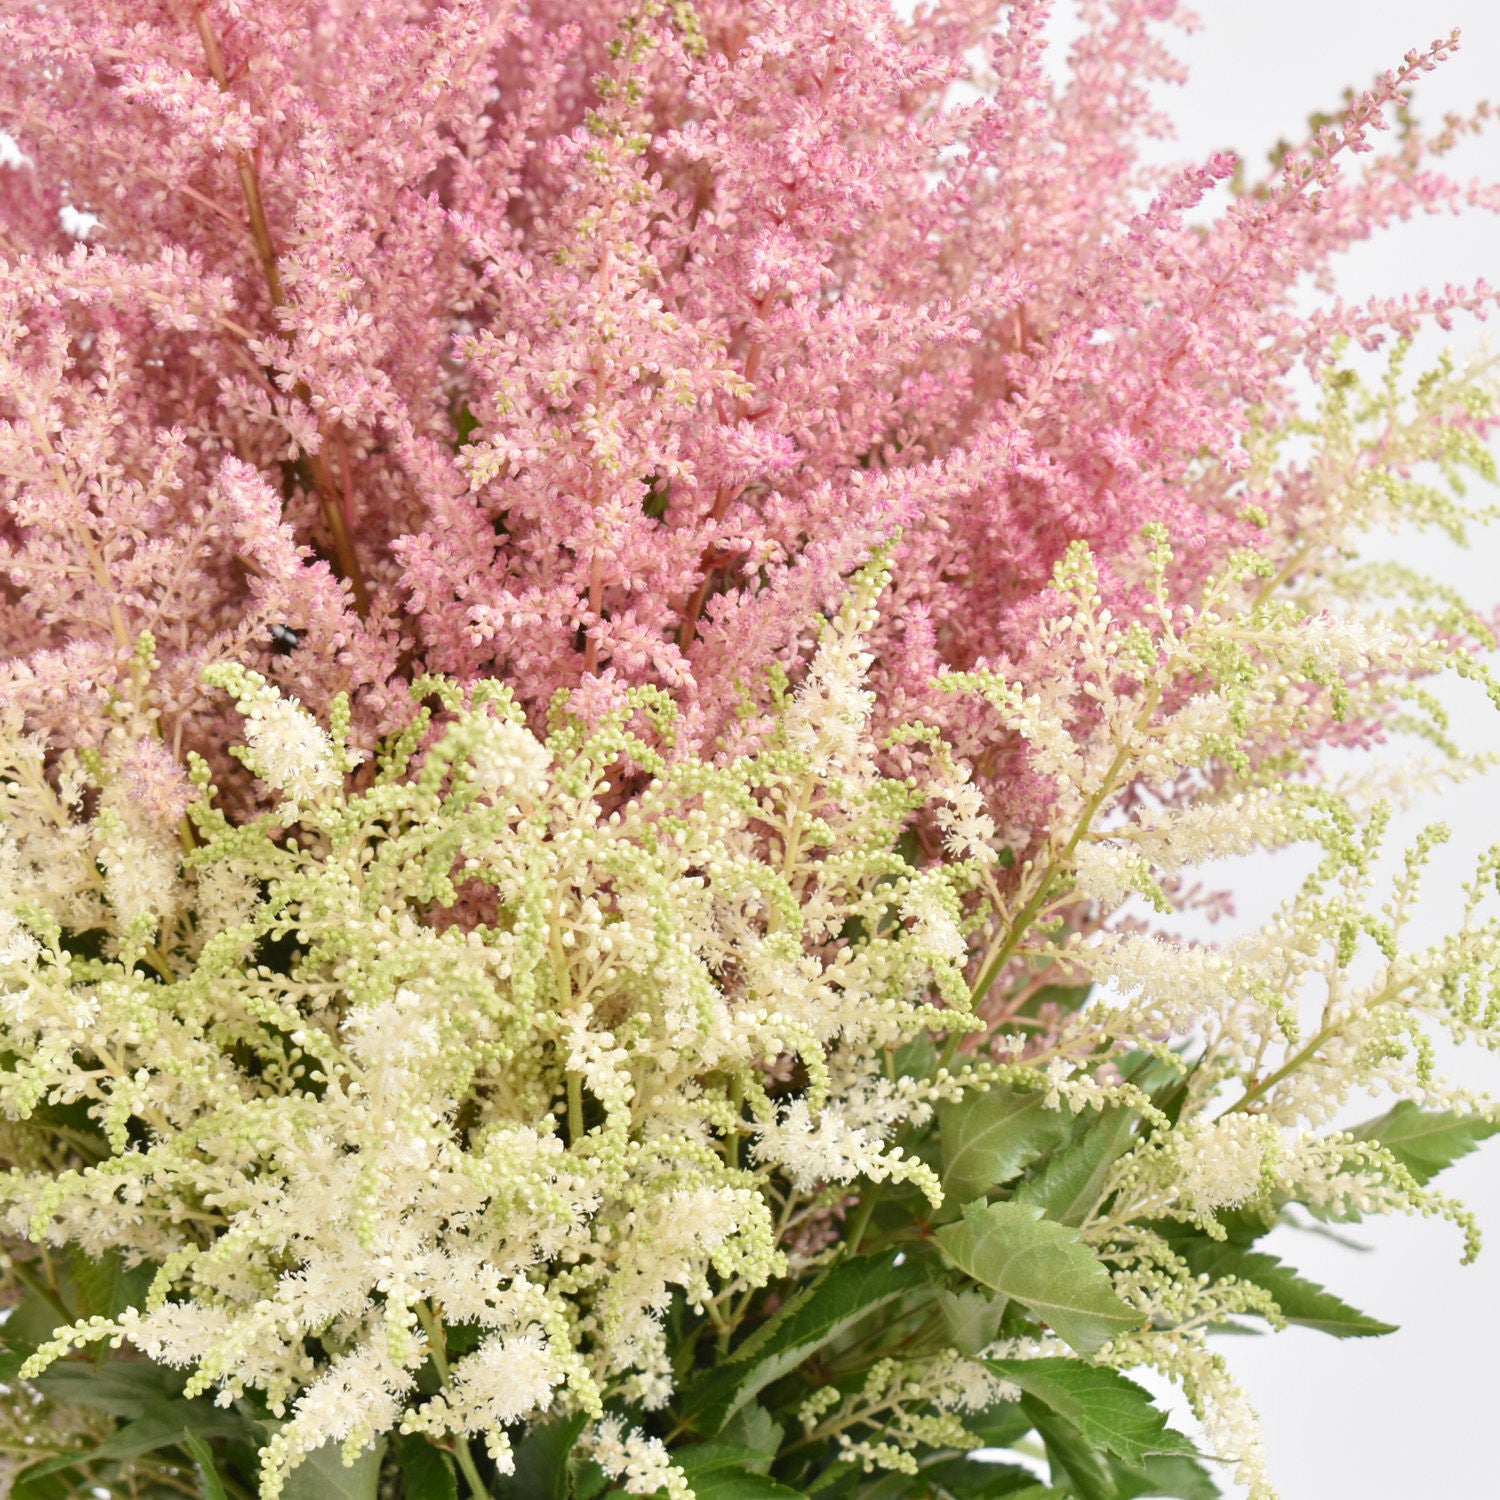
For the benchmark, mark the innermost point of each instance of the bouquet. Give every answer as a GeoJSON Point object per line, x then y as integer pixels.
{"type": "Point", "coordinates": [630, 631]}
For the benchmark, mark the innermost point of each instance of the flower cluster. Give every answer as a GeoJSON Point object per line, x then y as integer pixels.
{"type": "Point", "coordinates": [589, 347]}
{"type": "Point", "coordinates": [621, 626]}
{"type": "Point", "coordinates": [532, 1120]}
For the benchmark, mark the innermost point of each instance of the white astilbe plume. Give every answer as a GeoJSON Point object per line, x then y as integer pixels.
{"type": "Point", "coordinates": [285, 745]}
{"type": "Point", "coordinates": [558, 1046]}
{"type": "Point", "coordinates": [641, 1463]}
{"type": "Point", "coordinates": [505, 1380]}
{"type": "Point", "coordinates": [1223, 1162]}
{"type": "Point", "coordinates": [543, 1119]}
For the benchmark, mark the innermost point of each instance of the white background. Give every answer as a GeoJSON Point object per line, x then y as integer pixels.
{"type": "Point", "coordinates": [1409, 1416]}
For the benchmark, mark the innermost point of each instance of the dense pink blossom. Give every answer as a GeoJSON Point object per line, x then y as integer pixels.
{"type": "Point", "coordinates": [589, 345]}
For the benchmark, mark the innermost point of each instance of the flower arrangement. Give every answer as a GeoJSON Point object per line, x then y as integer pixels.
{"type": "Point", "coordinates": [625, 626]}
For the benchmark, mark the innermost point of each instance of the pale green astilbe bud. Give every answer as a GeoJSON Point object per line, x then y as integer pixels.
{"type": "Point", "coordinates": [483, 1041]}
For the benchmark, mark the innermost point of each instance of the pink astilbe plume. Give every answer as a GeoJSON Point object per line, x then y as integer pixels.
{"type": "Point", "coordinates": [589, 346]}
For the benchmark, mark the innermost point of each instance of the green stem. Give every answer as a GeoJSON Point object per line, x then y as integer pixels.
{"type": "Point", "coordinates": [1284, 1071]}
{"type": "Point", "coordinates": [1034, 905]}
{"type": "Point", "coordinates": [732, 1141]}
{"type": "Point", "coordinates": [1018, 930]}
{"type": "Point", "coordinates": [48, 1294]}
{"type": "Point", "coordinates": [437, 1344]}
{"type": "Point", "coordinates": [861, 1220]}
{"type": "Point", "coordinates": [1290, 1066]}
{"type": "Point", "coordinates": [575, 1109]}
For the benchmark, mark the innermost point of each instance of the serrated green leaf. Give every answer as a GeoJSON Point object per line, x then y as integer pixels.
{"type": "Point", "coordinates": [541, 1462]}
{"type": "Point", "coordinates": [707, 1458]}
{"type": "Point", "coordinates": [987, 1138]}
{"type": "Point", "coordinates": [1074, 1461]}
{"type": "Point", "coordinates": [588, 1479]}
{"type": "Point", "coordinates": [1012, 1249]}
{"type": "Point", "coordinates": [1069, 1185]}
{"type": "Point", "coordinates": [104, 1287]}
{"type": "Point", "coordinates": [834, 1303]}
{"type": "Point", "coordinates": [209, 1484]}
{"type": "Point", "coordinates": [721, 1471]}
{"type": "Point", "coordinates": [1425, 1141]}
{"type": "Point", "coordinates": [1109, 1411]}
{"type": "Point", "coordinates": [1164, 1477]}
{"type": "Point", "coordinates": [754, 1428]}
{"type": "Point", "coordinates": [975, 1479]}
{"type": "Point", "coordinates": [971, 1318]}
{"type": "Point", "coordinates": [1301, 1301]}
{"type": "Point", "coordinates": [122, 1387]}
{"type": "Point", "coordinates": [427, 1472]}
{"type": "Point", "coordinates": [836, 1477]}
{"type": "Point", "coordinates": [322, 1475]}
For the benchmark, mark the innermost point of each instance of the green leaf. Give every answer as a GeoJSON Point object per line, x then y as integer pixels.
{"type": "Point", "coordinates": [1164, 1477]}
{"type": "Point", "coordinates": [587, 1478]}
{"type": "Point", "coordinates": [1066, 998]}
{"type": "Point", "coordinates": [465, 425]}
{"type": "Point", "coordinates": [34, 1484]}
{"type": "Point", "coordinates": [708, 1458]}
{"type": "Point", "coordinates": [12, 1357]}
{"type": "Point", "coordinates": [1001, 1425]}
{"type": "Point", "coordinates": [1069, 1186]}
{"type": "Point", "coordinates": [33, 1320]}
{"type": "Point", "coordinates": [1074, 1461]}
{"type": "Point", "coordinates": [975, 1479]}
{"type": "Point", "coordinates": [208, 1474]}
{"type": "Point", "coordinates": [885, 1486]}
{"type": "Point", "coordinates": [122, 1387]}
{"type": "Point", "coordinates": [427, 1472]}
{"type": "Point", "coordinates": [848, 1291]}
{"type": "Point", "coordinates": [1095, 1474]}
{"type": "Point", "coordinates": [839, 1478]}
{"type": "Point", "coordinates": [971, 1318]}
{"type": "Point", "coordinates": [541, 1461]}
{"type": "Point", "coordinates": [1013, 1249]}
{"type": "Point", "coordinates": [918, 1058]}
{"type": "Point", "coordinates": [105, 1288]}
{"type": "Point", "coordinates": [1301, 1301]}
{"type": "Point", "coordinates": [987, 1138]}
{"type": "Point", "coordinates": [162, 1424]}
{"type": "Point", "coordinates": [1109, 1411]}
{"type": "Point", "coordinates": [754, 1428]}
{"type": "Point", "coordinates": [323, 1476]}
{"type": "Point", "coordinates": [723, 1471]}
{"type": "Point", "coordinates": [1425, 1141]}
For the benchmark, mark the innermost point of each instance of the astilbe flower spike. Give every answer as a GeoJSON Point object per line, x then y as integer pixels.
{"type": "Point", "coordinates": [604, 607]}
{"type": "Point", "coordinates": [596, 348]}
